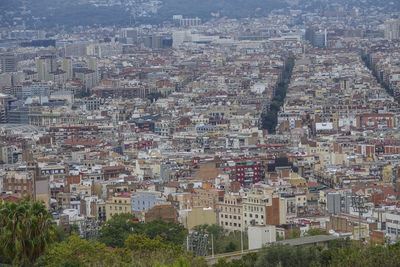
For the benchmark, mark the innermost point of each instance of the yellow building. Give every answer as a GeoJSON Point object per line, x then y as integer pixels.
{"type": "Point", "coordinates": [198, 216]}
{"type": "Point", "coordinates": [387, 174]}
{"type": "Point", "coordinates": [118, 204]}
{"type": "Point", "coordinates": [296, 180]}
{"type": "Point", "coordinates": [363, 232]}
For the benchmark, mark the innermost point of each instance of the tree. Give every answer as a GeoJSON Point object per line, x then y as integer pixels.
{"type": "Point", "coordinates": [143, 243]}
{"type": "Point", "coordinates": [224, 241]}
{"type": "Point", "coordinates": [285, 255]}
{"type": "Point", "coordinates": [316, 231]}
{"type": "Point", "coordinates": [230, 247]}
{"type": "Point", "coordinates": [294, 233]}
{"type": "Point", "coordinates": [168, 231]}
{"type": "Point", "coordinates": [76, 251]}
{"type": "Point", "coordinates": [26, 230]}
{"type": "Point", "coordinates": [117, 229]}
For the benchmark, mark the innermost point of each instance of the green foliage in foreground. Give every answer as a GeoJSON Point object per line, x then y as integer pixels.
{"type": "Point", "coordinates": [339, 253]}
{"type": "Point", "coordinates": [119, 227]}
{"type": "Point", "coordinates": [28, 239]}
{"type": "Point", "coordinates": [224, 241]}
{"type": "Point", "coordinates": [26, 229]}
{"type": "Point", "coordinates": [139, 251]}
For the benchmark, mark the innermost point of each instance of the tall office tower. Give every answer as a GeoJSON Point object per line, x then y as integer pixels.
{"type": "Point", "coordinates": [392, 29]}
{"type": "Point", "coordinates": [45, 65]}
{"type": "Point", "coordinates": [92, 65]}
{"type": "Point", "coordinates": [8, 62]}
{"type": "Point", "coordinates": [179, 37]}
{"type": "Point", "coordinates": [66, 65]}
{"type": "Point", "coordinates": [5, 103]}
{"type": "Point", "coordinates": [317, 38]}
{"type": "Point", "coordinates": [320, 39]}
{"type": "Point", "coordinates": [130, 34]}
{"type": "Point", "coordinates": [156, 41]}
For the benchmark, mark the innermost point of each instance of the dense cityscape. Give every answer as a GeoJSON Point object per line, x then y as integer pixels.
{"type": "Point", "coordinates": [227, 135]}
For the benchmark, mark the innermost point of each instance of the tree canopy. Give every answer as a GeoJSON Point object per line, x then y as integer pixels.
{"type": "Point", "coordinates": [119, 227]}
{"type": "Point", "coordinates": [26, 229]}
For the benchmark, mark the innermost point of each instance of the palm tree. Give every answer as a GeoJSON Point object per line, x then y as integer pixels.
{"type": "Point", "coordinates": [25, 230]}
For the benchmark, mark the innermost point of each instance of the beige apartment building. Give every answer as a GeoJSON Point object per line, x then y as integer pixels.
{"type": "Point", "coordinates": [118, 204]}
{"type": "Point", "coordinates": [230, 212]}
{"type": "Point", "coordinates": [262, 206]}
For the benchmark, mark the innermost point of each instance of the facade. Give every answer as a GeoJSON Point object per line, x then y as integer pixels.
{"type": "Point", "coordinates": [198, 216]}
{"type": "Point", "coordinates": [231, 212]}
{"type": "Point", "coordinates": [263, 207]}
{"type": "Point", "coordinates": [118, 204]}
{"type": "Point", "coordinates": [164, 211]}
{"type": "Point", "coordinates": [145, 200]}
{"type": "Point", "coordinates": [338, 203]}
{"type": "Point", "coordinates": [19, 183]}
{"type": "Point", "coordinates": [187, 22]}
{"type": "Point", "coordinates": [259, 236]}
{"type": "Point", "coordinates": [66, 66]}
{"type": "Point", "coordinates": [392, 29]}
{"type": "Point", "coordinates": [88, 77]}
{"type": "Point", "coordinates": [248, 171]}
{"type": "Point", "coordinates": [206, 198]}
{"type": "Point", "coordinates": [45, 65]}
{"type": "Point", "coordinates": [8, 62]}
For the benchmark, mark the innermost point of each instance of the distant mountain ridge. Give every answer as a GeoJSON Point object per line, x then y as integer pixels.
{"type": "Point", "coordinates": [37, 14]}
{"type": "Point", "coordinates": [49, 13]}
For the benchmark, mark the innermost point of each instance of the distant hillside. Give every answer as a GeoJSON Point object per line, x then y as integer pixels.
{"type": "Point", "coordinates": [228, 8]}
{"type": "Point", "coordinates": [49, 13]}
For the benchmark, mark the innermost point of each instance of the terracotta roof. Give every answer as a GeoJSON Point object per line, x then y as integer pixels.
{"type": "Point", "coordinates": [10, 198]}
{"type": "Point", "coordinates": [173, 184]}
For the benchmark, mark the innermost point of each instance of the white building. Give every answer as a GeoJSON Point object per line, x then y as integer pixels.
{"type": "Point", "coordinates": [259, 236]}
